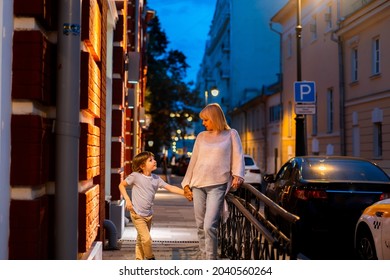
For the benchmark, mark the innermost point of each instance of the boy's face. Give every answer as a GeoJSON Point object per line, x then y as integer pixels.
{"type": "Point", "coordinates": [149, 165]}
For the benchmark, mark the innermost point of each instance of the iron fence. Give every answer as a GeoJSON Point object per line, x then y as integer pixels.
{"type": "Point", "coordinates": [247, 234]}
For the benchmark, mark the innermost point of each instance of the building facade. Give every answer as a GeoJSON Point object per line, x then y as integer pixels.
{"type": "Point", "coordinates": [365, 44]}
{"type": "Point", "coordinates": [319, 63]}
{"type": "Point", "coordinates": [341, 46]}
{"type": "Point", "coordinates": [343, 50]}
{"type": "Point", "coordinates": [72, 108]}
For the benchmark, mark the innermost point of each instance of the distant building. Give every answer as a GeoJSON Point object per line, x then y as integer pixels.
{"type": "Point", "coordinates": [241, 55]}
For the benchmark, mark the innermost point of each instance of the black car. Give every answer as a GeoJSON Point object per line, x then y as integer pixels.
{"type": "Point", "coordinates": [328, 194]}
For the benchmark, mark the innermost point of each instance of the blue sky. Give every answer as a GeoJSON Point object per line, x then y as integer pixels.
{"type": "Point", "coordinates": [187, 23]}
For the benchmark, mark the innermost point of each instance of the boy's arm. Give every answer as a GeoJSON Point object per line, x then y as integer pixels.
{"type": "Point", "coordinates": [177, 190]}
{"type": "Point", "coordinates": [122, 188]}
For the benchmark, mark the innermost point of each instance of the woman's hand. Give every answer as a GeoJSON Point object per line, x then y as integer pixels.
{"type": "Point", "coordinates": [237, 182]}
{"type": "Point", "coordinates": [188, 193]}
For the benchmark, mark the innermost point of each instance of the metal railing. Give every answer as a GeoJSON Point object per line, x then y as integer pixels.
{"type": "Point", "coordinates": [247, 234]}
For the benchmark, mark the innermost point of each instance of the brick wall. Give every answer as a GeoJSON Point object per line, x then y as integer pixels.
{"type": "Point", "coordinates": [89, 165]}
{"type": "Point", "coordinates": [29, 224]}
{"type": "Point", "coordinates": [32, 142]}
{"type": "Point", "coordinates": [88, 217]}
{"type": "Point", "coordinates": [32, 68]}
{"type": "Point", "coordinates": [32, 137]}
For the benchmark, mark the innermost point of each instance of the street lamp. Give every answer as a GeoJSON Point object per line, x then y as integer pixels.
{"type": "Point", "coordinates": [300, 138]}
{"type": "Point", "coordinates": [214, 92]}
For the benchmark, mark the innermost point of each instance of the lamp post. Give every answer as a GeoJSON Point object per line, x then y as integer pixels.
{"type": "Point", "coordinates": [300, 138]}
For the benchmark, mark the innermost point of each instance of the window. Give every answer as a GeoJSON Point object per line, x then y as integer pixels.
{"type": "Point", "coordinates": [274, 113]}
{"type": "Point", "coordinates": [375, 57]}
{"type": "Point", "coordinates": [313, 28]}
{"type": "Point", "coordinates": [328, 18]}
{"type": "Point", "coordinates": [377, 119]}
{"type": "Point", "coordinates": [354, 66]}
{"type": "Point", "coordinates": [377, 141]}
{"type": "Point", "coordinates": [314, 125]}
{"type": "Point", "coordinates": [355, 135]}
{"type": "Point", "coordinates": [356, 141]}
{"type": "Point", "coordinates": [329, 111]}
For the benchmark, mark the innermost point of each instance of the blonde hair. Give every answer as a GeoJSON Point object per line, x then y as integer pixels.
{"type": "Point", "coordinates": [140, 160]}
{"type": "Point", "coordinates": [215, 113]}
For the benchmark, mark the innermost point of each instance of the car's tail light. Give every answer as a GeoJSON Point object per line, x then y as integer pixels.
{"type": "Point", "coordinates": [384, 196]}
{"type": "Point", "coordinates": [310, 194]}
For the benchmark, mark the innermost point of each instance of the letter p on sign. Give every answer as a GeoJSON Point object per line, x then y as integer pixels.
{"type": "Point", "coordinates": [305, 92]}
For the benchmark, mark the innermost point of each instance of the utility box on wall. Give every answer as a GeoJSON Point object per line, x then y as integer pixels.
{"type": "Point", "coordinates": [117, 216]}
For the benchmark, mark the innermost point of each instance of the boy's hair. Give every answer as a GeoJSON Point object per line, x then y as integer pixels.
{"type": "Point", "coordinates": [215, 113]}
{"type": "Point", "coordinates": [140, 159]}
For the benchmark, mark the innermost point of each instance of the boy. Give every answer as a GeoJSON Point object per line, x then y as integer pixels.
{"type": "Point", "coordinates": [144, 186]}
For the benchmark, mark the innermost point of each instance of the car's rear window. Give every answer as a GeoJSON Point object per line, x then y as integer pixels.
{"type": "Point", "coordinates": [249, 161]}
{"type": "Point", "coordinates": [349, 170]}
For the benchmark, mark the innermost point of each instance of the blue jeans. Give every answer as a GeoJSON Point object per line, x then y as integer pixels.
{"type": "Point", "coordinates": [208, 203]}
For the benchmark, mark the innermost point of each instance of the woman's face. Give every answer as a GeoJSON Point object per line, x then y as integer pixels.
{"type": "Point", "coordinates": [208, 124]}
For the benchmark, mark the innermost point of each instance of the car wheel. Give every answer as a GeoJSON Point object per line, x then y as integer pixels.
{"type": "Point", "coordinates": [365, 246]}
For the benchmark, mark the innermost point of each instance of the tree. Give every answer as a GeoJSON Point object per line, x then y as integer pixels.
{"type": "Point", "coordinates": [167, 94]}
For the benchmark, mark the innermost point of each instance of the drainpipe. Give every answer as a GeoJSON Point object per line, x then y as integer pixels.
{"type": "Point", "coordinates": [280, 79]}
{"type": "Point", "coordinates": [67, 129]}
{"type": "Point", "coordinates": [6, 25]}
{"type": "Point", "coordinates": [340, 50]}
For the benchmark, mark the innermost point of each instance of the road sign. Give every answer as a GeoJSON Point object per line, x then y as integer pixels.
{"type": "Point", "coordinates": [305, 92]}
{"type": "Point", "coordinates": [305, 109]}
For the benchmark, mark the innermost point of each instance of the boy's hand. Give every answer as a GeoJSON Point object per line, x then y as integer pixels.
{"type": "Point", "coordinates": [188, 193]}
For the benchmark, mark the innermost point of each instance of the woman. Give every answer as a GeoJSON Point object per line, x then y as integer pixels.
{"type": "Point", "coordinates": [216, 165]}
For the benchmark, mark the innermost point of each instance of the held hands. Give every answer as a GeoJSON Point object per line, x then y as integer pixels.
{"type": "Point", "coordinates": [188, 193]}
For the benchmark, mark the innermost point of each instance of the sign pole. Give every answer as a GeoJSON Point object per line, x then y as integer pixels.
{"type": "Point", "coordinates": [300, 132]}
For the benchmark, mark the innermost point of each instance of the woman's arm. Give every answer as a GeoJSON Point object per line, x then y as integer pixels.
{"type": "Point", "coordinates": [238, 163]}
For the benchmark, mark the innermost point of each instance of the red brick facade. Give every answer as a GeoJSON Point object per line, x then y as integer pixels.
{"type": "Point", "coordinates": [33, 125]}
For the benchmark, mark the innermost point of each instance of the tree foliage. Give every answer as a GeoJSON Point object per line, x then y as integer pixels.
{"type": "Point", "coordinates": [168, 96]}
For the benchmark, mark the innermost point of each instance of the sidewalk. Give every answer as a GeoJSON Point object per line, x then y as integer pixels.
{"type": "Point", "coordinates": [173, 229]}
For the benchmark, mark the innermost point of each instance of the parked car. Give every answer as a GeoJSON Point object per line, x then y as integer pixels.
{"type": "Point", "coordinates": [252, 172]}
{"type": "Point", "coordinates": [372, 235]}
{"type": "Point", "coordinates": [328, 194]}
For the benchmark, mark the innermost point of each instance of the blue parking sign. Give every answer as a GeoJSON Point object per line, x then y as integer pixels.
{"type": "Point", "coordinates": [305, 92]}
